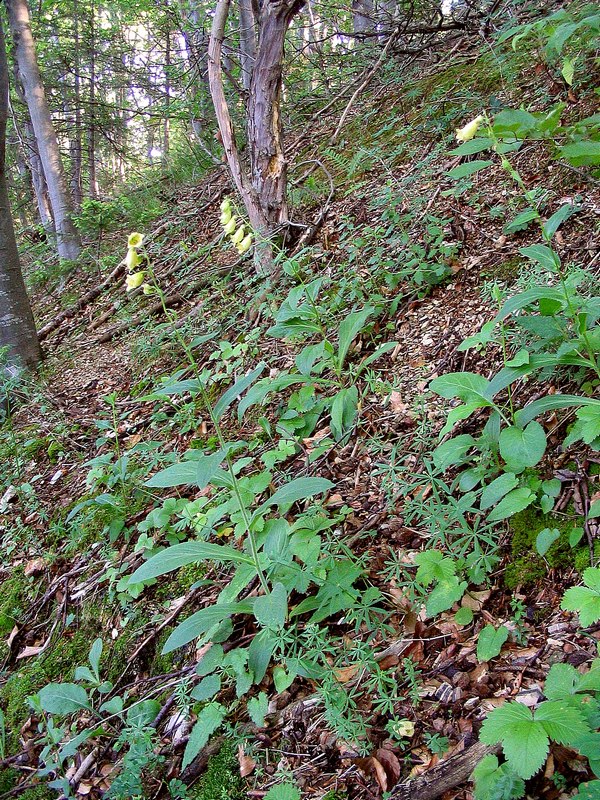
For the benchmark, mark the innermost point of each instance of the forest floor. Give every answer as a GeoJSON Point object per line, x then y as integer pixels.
{"type": "Point", "coordinates": [397, 236]}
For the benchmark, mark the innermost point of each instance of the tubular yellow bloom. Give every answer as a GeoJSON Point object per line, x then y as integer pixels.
{"type": "Point", "coordinates": [134, 281]}
{"type": "Point", "coordinates": [245, 244]}
{"type": "Point", "coordinates": [132, 259]}
{"type": "Point", "coordinates": [404, 727]}
{"type": "Point", "coordinates": [147, 289]}
{"type": "Point", "coordinates": [238, 236]}
{"type": "Point", "coordinates": [225, 205]}
{"type": "Point", "coordinates": [468, 132]}
{"type": "Point", "coordinates": [230, 227]}
{"type": "Point", "coordinates": [135, 239]}
{"type": "Point", "coordinates": [225, 217]}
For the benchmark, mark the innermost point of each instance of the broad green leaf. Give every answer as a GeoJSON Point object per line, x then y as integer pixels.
{"type": "Point", "coordinates": [207, 688]}
{"type": "Point", "coordinates": [296, 490]}
{"type": "Point", "coordinates": [545, 539]}
{"type": "Point", "coordinates": [270, 610]}
{"type": "Point", "coordinates": [521, 221]}
{"type": "Point", "coordinates": [258, 708]}
{"type": "Point", "coordinates": [562, 722]}
{"type": "Point", "coordinates": [561, 682]}
{"type": "Point", "coordinates": [282, 679]}
{"type": "Point", "coordinates": [472, 147]}
{"type": "Point", "coordinates": [260, 653]}
{"type": "Point", "coordinates": [515, 501]}
{"type": "Point", "coordinates": [583, 153]}
{"type": "Point", "coordinates": [443, 597]}
{"type": "Point", "coordinates": [95, 655]}
{"type": "Point", "coordinates": [197, 472]}
{"type": "Point", "coordinates": [283, 791]}
{"type": "Point", "coordinates": [552, 402]}
{"type": "Point", "coordinates": [464, 616]}
{"type": "Point", "coordinates": [490, 641]}
{"type": "Point", "coordinates": [344, 409]}
{"type": "Point", "coordinates": [585, 599]}
{"type": "Point", "coordinates": [528, 298]}
{"type": "Point", "coordinates": [556, 220]}
{"type": "Point", "coordinates": [350, 327]}
{"type": "Point", "coordinates": [545, 256]}
{"type": "Point", "coordinates": [453, 452]}
{"type": "Point", "coordinates": [456, 414]}
{"type": "Point", "coordinates": [179, 555]}
{"type": "Point", "coordinates": [209, 719]}
{"type": "Point", "coordinates": [467, 386]}
{"type": "Point", "coordinates": [494, 782]}
{"type": "Point", "coordinates": [238, 388]}
{"type": "Point", "coordinates": [211, 660]}
{"type": "Point", "coordinates": [469, 168]}
{"type": "Point", "coordinates": [63, 698]}
{"type": "Point", "coordinates": [522, 448]}
{"type": "Point", "coordinates": [433, 566]}
{"type": "Point", "coordinates": [143, 713]}
{"type": "Point", "coordinates": [202, 621]}
{"type": "Point", "coordinates": [497, 489]}
{"type": "Point", "coordinates": [524, 741]}
{"type": "Point", "coordinates": [588, 791]}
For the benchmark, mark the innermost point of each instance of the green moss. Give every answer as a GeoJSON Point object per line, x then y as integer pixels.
{"type": "Point", "coordinates": [335, 796]}
{"type": "Point", "coordinates": [222, 780]}
{"type": "Point", "coordinates": [38, 793]}
{"type": "Point", "coordinates": [506, 271]}
{"type": "Point", "coordinates": [527, 567]}
{"type": "Point", "coordinates": [582, 557]}
{"type": "Point", "coordinates": [8, 780]}
{"type": "Point", "coordinates": [56, 664]}
{"type": "Point", "coordinates": [162, 664]}
{"type": "Point", "coordinates": [14, 592]}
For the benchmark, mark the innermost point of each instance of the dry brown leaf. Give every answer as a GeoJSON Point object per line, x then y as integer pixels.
{"type": "Point", "coordinates": [27, 652]}
{"type": "Point", "coordinates": [34, 567]}
{"type": "Point", "coordinates": [373, 768]}
{"type": "Point", "coordinates": [246, 763]}
{"type": "Point", "coordinates": [11, 638]}
{"type": "Point", "coordinates": [345, 674]}
{"type": "Point", "coordinates": [391, 765]}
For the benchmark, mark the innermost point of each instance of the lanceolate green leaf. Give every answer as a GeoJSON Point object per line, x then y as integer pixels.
{"type": "Point", "coordinates": [550, 403]}
{"type": "Point", "coordinates": [238, 388]}
{"type": "Point", "coordinates": [349, 329]}
{"type": "Point", "coordinates": [187, 553]}
{"type": "Point", "coordinates": [202, 621]}
{"type": "Point", "coordinates": [296, 490]}
{"type": "Point", "coordinates": [470, 168]}
{"type": "Point", "coordinates": [197, 472]}
{"type": "Point", "coordinates": [209, 719]}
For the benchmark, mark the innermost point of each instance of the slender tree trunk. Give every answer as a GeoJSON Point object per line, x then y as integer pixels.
{"type": "Point", "coordinates": [67, 238]}
{"type": "Point", "coordinates": [32, 158]}
{"type": "Point", "coordinates": [167, 120]}
{"type": "Point", "coordinates": [76, 140]}
{"type": "Point", "coordinates": [247, 41]}
{"type": "Point", "coordinates": [17, 328]}
{"type": "Point", "coordinates": [91, 128]}
{"type": "Point", "coordinates": [264, 190]}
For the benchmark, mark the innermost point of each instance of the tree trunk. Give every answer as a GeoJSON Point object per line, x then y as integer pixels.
{"type": "Point", "coordinates": [91, 127]}
{"type": "Point", "coordinates": [17, 328]}
{"type": "Point", "coordinates": [264, 190]}
{"type": "Point", "coordinates": [247, 42]}
{"type": "Point", "coordinates": [32, 158]}
{"type": "Point", "coordinates": [67, 238]}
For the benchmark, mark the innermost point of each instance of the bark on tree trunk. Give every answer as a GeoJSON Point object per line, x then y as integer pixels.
{"type": "Point", "coordinates": [67, 238]}
{"type": "Point", "coordinates": [17, 328]}
{"type": "Point", "coordinates": [32, 157]}
{"type": "Point", "coordinates": [264, 190]}
{"type": "Point", "coordinates": [247, 42]}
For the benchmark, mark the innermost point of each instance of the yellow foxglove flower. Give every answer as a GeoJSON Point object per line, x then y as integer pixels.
{"type": "Point", "coordinates": [230, 227]}
{"type": "Point", "coordinates": [245, 244]}
{"type": "Point", "coordinates": [135, 239]}
{"type": "Point", "coordinates": [238, 236]}
{"type": "Point", "coordinates": [134, 281]}
{"type": "Point", "coordinates": [226, 216]}
{"type": "Point", "coordinates": [132, 259]}
{"type": "Point", "coordinates": [468, 132]}
{"type": "Point", "coordinates": [147, 289]}
{"type": "Point", "coordinates": [225, 206]}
